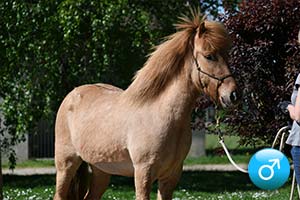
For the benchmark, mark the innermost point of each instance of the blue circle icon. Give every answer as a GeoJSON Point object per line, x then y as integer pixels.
{"type": "Point", "coordinates": [269, 169]}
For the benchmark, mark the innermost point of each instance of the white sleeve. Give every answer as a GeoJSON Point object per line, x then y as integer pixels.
{"type": "Point", "coordinates": [297, 80]}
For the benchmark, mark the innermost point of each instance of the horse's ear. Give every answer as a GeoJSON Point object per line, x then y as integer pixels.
{"type": "Point", "coordinates": [202, 29]}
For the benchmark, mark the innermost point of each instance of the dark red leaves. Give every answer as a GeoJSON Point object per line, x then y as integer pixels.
{"type": "Point", "coordinates": [265, 59]}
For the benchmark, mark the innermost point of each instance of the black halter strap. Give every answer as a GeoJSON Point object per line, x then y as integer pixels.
{"type": "Point", "coordinates": [219, 79]}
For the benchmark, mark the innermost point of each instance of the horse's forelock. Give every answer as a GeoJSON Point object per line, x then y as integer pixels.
{"type": "Point", "coordinates": [190, 24]}
{"type": "Point", "coordinates": [216, 37]}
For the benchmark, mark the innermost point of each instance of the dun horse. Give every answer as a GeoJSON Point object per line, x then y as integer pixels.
{"type": "Point", "coordinates": [143, 131]}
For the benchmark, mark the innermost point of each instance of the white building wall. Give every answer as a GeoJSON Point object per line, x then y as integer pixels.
{"type": "Point", "coordinates": [21, 149]}
{"type": "Point", "coordinates": [198, 144]}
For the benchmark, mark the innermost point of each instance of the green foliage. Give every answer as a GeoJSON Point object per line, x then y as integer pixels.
{"type": "Point", "coordinates": [50, 47]}
{"type": "Point", "coordinates": [29, 67]}
{"type": "Point", "coordinates": [213, 7]}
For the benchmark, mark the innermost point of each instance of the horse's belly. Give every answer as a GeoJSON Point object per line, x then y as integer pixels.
{"type": "Point", "coordinates": [124, 168]}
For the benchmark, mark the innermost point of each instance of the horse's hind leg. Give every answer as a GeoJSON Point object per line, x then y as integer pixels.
{"type": "Point", "coordinates": [166, 186]}
{"type": "Point", "coordinates": [98, 185]}
{"type": "Point", "coordinates": [66, 168]}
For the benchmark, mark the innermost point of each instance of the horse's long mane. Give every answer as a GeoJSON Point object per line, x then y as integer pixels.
{"type": "Point", "coordinates": [166, 61]}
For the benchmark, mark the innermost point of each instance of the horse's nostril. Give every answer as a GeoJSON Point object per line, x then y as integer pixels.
{"type": "Point", "coordinates": [233, 96]}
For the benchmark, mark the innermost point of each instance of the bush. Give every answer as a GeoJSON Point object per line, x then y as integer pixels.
{"type": "Point", "coordinates": [265, 60]}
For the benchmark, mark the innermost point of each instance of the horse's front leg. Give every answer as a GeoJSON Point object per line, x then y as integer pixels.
{"type": "Point", "coordinates": [142, 181]}
{"type": "Point", "coordinates": [167, 185]}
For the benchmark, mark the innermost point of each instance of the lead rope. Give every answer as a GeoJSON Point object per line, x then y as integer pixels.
{"type": "Point", "coordinates": [281, 132]}
{"type": "Point", "coordinates": [221, 141]}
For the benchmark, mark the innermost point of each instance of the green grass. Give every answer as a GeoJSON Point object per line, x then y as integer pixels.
{"type": "Point", "coordinates": [192, 186]}
{"type": "Point", "coordinates": [216, 155]}
{"type": "Point", "coordinates": [212, 142]}
{"type": "Point", "coordinates": [217, 159]}
{"type": "Point", "coordinates": [32, 163]}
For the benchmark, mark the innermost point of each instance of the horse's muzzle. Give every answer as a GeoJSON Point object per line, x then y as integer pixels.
{"type": "Point", "coordinates": [230, 100]}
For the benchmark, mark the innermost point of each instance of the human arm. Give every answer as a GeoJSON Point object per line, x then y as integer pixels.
{"type": "Point", "coordinates": [294, 110]}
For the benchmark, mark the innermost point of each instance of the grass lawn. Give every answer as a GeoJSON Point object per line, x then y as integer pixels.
{"type": "Point", "coordinates": [193, 186]}
{"type": "Point", "coordinates": [216, 155]}
{"type": "Point", "coordinates": [32, 163]}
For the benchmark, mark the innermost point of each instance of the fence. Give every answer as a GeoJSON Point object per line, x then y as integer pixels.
{"type": "Point", "coordinates": [41, 145]}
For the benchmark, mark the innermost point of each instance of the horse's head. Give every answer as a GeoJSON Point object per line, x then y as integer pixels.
{"type": "Point", "coordinates": [210, 71]}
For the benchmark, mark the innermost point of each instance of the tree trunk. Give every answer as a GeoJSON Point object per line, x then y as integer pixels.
{"type": "Point", "coordinates": [1, 178]}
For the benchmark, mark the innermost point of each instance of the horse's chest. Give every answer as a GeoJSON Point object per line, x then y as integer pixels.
{"type": "Point", "coordinates": [173, 155]}
{"type": "Point", "coordinates": [180, 146]}
{"type": "Point", "coordinates": [174, 148]}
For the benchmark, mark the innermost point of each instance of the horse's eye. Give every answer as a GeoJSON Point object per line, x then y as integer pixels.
{"type": "Point", "coordinates": [210, 57]}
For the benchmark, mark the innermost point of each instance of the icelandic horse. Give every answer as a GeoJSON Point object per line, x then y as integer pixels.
{"type": "Point", "coordinates": [143, 131]}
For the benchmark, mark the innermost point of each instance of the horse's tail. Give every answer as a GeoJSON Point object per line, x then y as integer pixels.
{"type": "Point", "coordinates": [79, 184]}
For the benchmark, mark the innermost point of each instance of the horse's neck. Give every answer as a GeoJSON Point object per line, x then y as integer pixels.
{"type": "Point", "coordinates": [179, 97]}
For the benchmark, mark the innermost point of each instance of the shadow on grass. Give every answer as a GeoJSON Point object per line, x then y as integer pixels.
{"type": "Point", "coordinates": [215, 181]}
{"type": "Point", "coordinates": [28, 181]}
{"type": "Point", "coordinates": [192, 181]}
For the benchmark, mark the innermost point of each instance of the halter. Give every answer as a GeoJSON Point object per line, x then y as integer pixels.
{"type": "Point", "coordinates": [219, 79]}
{"type": "Point", "coordinates": [217, 117]}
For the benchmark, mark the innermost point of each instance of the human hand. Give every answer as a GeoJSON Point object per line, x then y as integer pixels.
{"type": "Point", "coordinates": [283, 106]}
